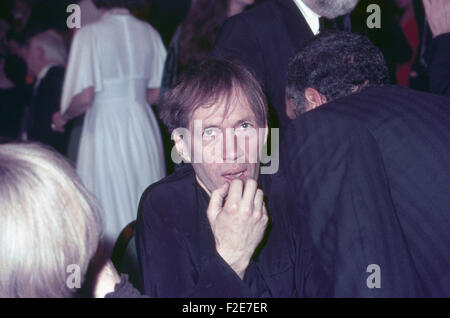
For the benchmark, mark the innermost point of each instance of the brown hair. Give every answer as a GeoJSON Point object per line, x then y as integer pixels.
{"type": "Point", "coordinates": [204, 85]}
{"type": "Point", "coordinates": [200, 29]}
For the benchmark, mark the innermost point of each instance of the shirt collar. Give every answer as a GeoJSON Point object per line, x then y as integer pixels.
{"type": "Point", "coordinates": [310, 16]}
{"type": "Point", "coordinates": [117, 11]}
{"type": "Point", "coordinates": [44, 72]}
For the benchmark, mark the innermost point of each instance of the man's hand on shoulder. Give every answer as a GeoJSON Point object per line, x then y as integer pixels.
{"type": "Point", "coordinates": [238, 219]}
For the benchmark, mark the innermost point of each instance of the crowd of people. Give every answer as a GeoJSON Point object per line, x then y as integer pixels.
{"type": "Point", "coordinates": [111, 126]}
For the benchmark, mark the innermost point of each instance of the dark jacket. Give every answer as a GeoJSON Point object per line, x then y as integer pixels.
{"type": "Point", "coordinates": [264, 39]}
{"type": "Point", "coordinates": [178, 258]}
{"type": "Point", "coordinates": [440, 65]}
{"type": "Point", "coordinates": [45, 101]}
{"type": "Point", "coordinates": [371, 178]}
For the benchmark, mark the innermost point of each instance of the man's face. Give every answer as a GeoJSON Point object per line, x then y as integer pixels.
{"type": "Point", "coordinates": [229, 140]}
{"type": "Point", "coordinates": [291, 112]}
{"type": "Point", "coordinates": [331, 8]}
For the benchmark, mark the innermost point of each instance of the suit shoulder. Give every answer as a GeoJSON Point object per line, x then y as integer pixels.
{"type": "Point", "coordinates": [56, 72]}
{"type": "Point", "coordinates": [388, 102]}
{"type": "Point", "coordinates": [258, 17]}
{"type": "Point", "coordinates": [52, 83]}
{"type": "Point", "coordinates": [174, 183]}
{"type": "Point", "coordinates": [169, 193]}
{"type": "Point", "coordinates": [377, 110]}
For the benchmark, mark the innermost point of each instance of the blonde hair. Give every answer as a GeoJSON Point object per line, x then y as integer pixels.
{"type": "Point", "coordinates": [48, 221]}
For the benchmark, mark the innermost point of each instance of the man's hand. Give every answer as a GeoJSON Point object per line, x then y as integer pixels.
{"type": "Point", "coordinates": [239, 224]}
{"type": "Point", "coordinates": [106, 280]}
{"type": "Point", "coordinates": [438, 16]}
{"type": "Point", "coordinates": [58, 122]}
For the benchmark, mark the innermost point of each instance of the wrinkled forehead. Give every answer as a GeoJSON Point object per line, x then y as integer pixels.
{"type": "Point", "coordinates": [223, 109]}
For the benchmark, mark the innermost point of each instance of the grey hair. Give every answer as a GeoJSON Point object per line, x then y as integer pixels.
{"type": "Point", "coordinates": [331, 8]}
{"type": "Point", "coordinates": [48, 222]}
{"type": "Point", "coordinates": [297, 98]}
{"type": "Point", "coordinates": [52, 43]}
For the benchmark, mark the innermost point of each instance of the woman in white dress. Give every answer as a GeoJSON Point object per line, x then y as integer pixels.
{"type": "Point", "coordinates": [114, 73]}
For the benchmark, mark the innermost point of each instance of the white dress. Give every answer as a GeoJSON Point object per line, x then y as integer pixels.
{"type": "Point", "coordinates": [120, 150]}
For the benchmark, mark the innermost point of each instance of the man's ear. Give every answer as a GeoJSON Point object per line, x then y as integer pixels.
{"type": "Point", "coordinates": [314, 98]}
{"type": "Point", "coordinates": [181, 146]}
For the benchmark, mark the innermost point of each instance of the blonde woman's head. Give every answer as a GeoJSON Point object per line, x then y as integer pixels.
{"type": "Point", "coordinates": [49, 222]}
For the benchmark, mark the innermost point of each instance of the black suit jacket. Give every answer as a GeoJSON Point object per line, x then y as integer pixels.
{"type": "Point", "coordinates": [44, 103]}
{"type": "Point", "coordinates": [178, 258]}
{"type": "Point", "coordinates": [371, 177]}
{"type": "Point", "coordinates": [264, 39]}
{"type": "Point", "coordinates": [12, 105]}
{"type": "Point", "coordinates": [440, 65]}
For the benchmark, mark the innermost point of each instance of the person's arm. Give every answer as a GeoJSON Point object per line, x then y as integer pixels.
{"type": "Point", "coordinates": [78, 106]}
{"type": "Point", "coordinates": [157, 63]}
{"type": "Point", "coordinates": [170, 268]}
{"type": "Point", "coordinates": [106, 280]}
{"type": "Point", "coordinates": [83, 77]}
{"type": "Point", "coordinates": [107, 283]}
{"type": "Point", "coordinates": [124, 289]}
{"type": "Point", "coordinates": [438, 17]}
{"type": "Point", "coordinates": [80, 103]}
{"type": "Point", "coordinates": [152, 95]}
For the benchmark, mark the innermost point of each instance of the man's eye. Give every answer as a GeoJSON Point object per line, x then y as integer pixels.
{"type": "Point", "coordinates": [209, 132]}
{"type": "Point", "coordinates": [246, 126]}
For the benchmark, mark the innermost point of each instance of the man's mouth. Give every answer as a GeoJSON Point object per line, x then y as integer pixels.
{"type": "Point", "coordinates": [236, 174]}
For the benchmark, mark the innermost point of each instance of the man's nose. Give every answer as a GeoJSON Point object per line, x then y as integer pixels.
{"type": "Point", "coordinates": [231, 150]}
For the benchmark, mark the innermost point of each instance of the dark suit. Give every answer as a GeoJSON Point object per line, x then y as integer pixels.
{"type": "Point", "coordinates": [44, 103]}
{"type": "Point", "coordinates": [12, 105]}
{"type": "Point", "coordinates": [440, 65]}
{"type": "Point", "coordinates": [371, 177]}
{"type": "Point", "coordinates": [264, 39]}
{"type": "Point", "coordinates": [178, 258]}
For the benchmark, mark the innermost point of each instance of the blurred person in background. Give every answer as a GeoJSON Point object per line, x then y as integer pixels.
{"type": "Point", "coordinates": [4, 29]}
{"type": "Point", "coordinates": [388, 37]}
{"type": "Point", "coordinates": [45, 54]}
{"type": "Point", "coordinates": [195, 37]}
{"type": "Point", "coordinates": [166, 16]}
{"type": "Point", "coordinates": [113, 75]}
{"type": "Point", "coordinates": [21, 14]}
{"type": "Point", "coordinates": [14, 97]}
{"type": "Point", "coordinates": [265, 37]}
{"type": "Point", "coordinates": [438, 16]}
{"type": "Point", "coordinates": [409, 27]}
